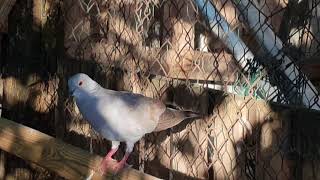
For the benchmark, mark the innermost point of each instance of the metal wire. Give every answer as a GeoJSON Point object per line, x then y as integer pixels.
{"type": "Point", "coordinates": [168, 49]}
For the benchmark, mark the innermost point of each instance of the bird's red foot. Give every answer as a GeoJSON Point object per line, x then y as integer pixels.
{"type": "Point", "coordinates": [118, 167]}
{"type": "Point", "coordinates": [105, 165]}
{"type": "Point", "coordinates": [107, 162]}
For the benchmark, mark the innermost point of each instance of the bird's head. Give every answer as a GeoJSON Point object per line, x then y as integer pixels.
{"type": "Point", "coordinates": [81, 83]}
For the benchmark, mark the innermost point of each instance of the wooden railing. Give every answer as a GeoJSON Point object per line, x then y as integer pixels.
{"type": "Point", "coordinates": [64, 159]}
{"type": "Point", "coordinates": [5, 8]}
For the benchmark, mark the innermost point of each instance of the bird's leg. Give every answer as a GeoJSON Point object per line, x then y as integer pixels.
{"type": "Point", "coordinates": [110, 154]}
{"type": "Point", "coordinates": [120, 165]}
{"type": "Point", "coordinates": [108, 158]}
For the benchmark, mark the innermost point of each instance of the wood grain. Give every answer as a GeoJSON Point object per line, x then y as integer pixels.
{"type": "Point", "coordinates": [189, 64]}
{"type": "Point", "coordinates": [311, 67]}
{"type": "Point", "coordinates": [5, 8]}
{"type": "Point", "coordinates": [179, 61]}
{"type": "Point", "coordinates": [66, 160]}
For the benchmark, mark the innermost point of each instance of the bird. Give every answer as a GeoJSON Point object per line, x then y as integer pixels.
{"type": "Point", "coordinates": [121, 116]}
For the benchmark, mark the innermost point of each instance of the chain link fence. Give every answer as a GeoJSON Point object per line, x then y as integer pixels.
{"type": "Point", "coordinates": [240, 63]}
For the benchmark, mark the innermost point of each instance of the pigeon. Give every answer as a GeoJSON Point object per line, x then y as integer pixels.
{"type": "Point", "coordinates": [121, 116]}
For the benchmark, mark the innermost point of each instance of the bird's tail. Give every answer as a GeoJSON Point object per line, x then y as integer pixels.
{"type": "Point", "coordinates": [171, 117]}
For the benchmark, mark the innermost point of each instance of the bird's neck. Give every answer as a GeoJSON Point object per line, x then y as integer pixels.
{"type": "Point", "coordinates": [83, 95]}
{"type": "Point", "coordinates": [94, 89]}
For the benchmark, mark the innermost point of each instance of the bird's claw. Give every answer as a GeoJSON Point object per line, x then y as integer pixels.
{"type": "Point", "coordinates": [118, 167]}
{"type": "Point", "coordinates": [106, 165]}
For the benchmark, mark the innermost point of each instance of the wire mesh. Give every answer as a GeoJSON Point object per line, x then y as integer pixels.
{"type": "Point", "coordinates": [250, 52]}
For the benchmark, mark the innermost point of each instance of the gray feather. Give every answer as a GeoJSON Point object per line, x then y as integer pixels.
{"type": "Point", "coordinates": [120, 115]}
{"type": "Point", "coordinates": [172, 117]}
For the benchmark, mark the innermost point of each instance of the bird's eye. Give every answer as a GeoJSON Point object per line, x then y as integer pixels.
{"type": "Point", "coordinates": [80, 83]}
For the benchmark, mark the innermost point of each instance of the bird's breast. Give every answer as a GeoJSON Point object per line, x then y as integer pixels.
{"type": "Point", "coordinates": [106, 118]}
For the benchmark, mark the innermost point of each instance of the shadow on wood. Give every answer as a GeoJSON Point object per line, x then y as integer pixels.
{"type": "Point", "coordinates": [66, 160]}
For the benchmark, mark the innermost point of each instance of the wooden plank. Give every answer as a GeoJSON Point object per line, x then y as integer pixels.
{"type": "Point", "coordinates": [311, 67]}
{"type": "Point", "coordinates": [37, 14]}
{"type": "Point", "coordinates": [178, 20]}
{"type": "Point", "coordinates": [5, 8]}
{"type": "Point", "coordinates": [124, 47]}
{"type": "Point", "coordinates": [274, 11]}
{"type": "Point", "coordinates": [191, 64]}
{"type": "Point", "coordinates": [242, 119]}
{"type": "Point", "coordinates": [1, 94]}
{"type": "Point", "coordinates": [239, 119]}
{"type": "Point", "coordinates": [66, 160]}
{"type": "Point", "coordinates": [2, 153]}
{"type": "Point", "coordinates": [228, 11]}
{"type": "Point", "coordinates": [196, 65]}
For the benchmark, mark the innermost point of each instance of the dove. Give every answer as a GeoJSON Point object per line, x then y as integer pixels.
{"type": "Point", "coordinates": [121, 116]}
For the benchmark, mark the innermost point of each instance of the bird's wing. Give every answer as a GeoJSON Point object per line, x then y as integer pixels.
{"type": "Point", "coordinates": [140, 105]}
{"type": "Point", "coordinates": [129, 115]}
{"type": "Point", "coordinates": [160, 116]}
{"type": "Point", "coordinates": [171, 117]}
